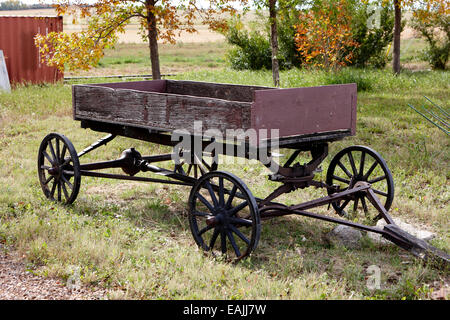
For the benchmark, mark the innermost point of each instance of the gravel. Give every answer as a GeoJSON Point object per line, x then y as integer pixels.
{"type": "Point", "coordinates": [18, 284]}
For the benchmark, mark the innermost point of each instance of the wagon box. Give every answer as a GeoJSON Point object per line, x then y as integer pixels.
{"type": "Point", "coordinates": [167, 105]}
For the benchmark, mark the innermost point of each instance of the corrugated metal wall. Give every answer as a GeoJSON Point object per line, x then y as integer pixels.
{"type": "Point", "coordinates": [23, 60]}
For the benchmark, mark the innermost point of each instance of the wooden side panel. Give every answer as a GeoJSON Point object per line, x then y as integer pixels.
{"type": "Point", "coordinates": [231, 92]}
{"type": "Point", "coordinates": [159, 111]}
{"type": "Point", "coordinates": [300, 111]}
{"type": "Point", "coordinates": [150, 86]}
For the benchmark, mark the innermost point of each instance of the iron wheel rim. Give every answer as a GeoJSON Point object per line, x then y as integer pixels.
{"type": "Point", "coordinates": [360, 163]}
{"type": "Point", "coordinates": [218, 221]}
{"type": "Point", "coordinates": [59, 169]}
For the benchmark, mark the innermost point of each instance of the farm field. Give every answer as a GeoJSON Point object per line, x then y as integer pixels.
{"type": "Point", "coordinates": [133, 239]}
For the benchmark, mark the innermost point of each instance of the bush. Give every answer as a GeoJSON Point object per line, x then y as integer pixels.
{"type": "Point", "coordinates": [435, 29]}
{"type": "Point", "coordinates": [349, 75]}
{"type": "Point", "coordinates": [372, 41]}
{"type": "Point", "coordinates": [252, 49]}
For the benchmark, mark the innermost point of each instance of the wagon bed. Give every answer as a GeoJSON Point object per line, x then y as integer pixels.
{"type": "Point", "coordinates": [302, 115]}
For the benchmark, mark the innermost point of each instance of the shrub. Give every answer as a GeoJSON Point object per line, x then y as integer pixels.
{"type": "Point", "coordinates": [374, 37]}
{"type": "Point", "coordinates": [252, 48]}
{"type": "Point", "coordinates": [435, 29]}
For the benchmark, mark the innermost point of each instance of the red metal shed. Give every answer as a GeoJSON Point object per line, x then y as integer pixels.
{"type": "Point", "coordinates": [23, 60]}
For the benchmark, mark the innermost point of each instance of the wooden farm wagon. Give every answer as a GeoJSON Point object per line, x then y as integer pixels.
{"type": "Point", "coordinates": [224, 216]}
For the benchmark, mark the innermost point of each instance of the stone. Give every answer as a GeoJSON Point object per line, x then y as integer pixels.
{"type": "Point", "coordinates": [413, 230]}
{"type": "Point", "coordinates": [345, 236]}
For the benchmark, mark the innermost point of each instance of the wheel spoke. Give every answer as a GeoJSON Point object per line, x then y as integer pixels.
{"type": "Point", "coordinates": [200, 214]}
{"type": "Point", "coordinates": [344, 204]}
{"type": "Point", "coordinates": [231, 197]}
{"type": "Point", "coordinates": [63, 152]}
{"type": "Point", "coordinates": [361, 164]}
{"type": "Point", "coordinates": [205, 202]}
{"type": "Point", "coordinates": [48, 180]}
{"type": "Point", "coordinates": [352, 163]}
{"type": "Point", "coordinates": [372, 167]}
{"type": "Point", "coordinates": [241, 221]}
{"type": "Point", "coordinates": [381, 193]}
{"type": "Point", "coordinates": [53, 151]}
{"type": "Point", "coordinates": [239, 234]}
{"type": "Point", "coordinates": [355, 205]}
{"type": "Point", "coordinates": [212, 242]}
{"type": "Point", "coordinates": [223, 241]}
{"type": "Point", "coordinates": [52, 192]}
{"type": "Point", "coordinates": [212, 194]}
{"type": "Point", "coordinates": [66, 194]}
{"type": "Point", "coordinates": [57, 150]}
{"type": "Point", "coordinates": [238, 208]}
{"type": "Point", "coordinates": [341, 179]}
{"type": "Point", "coordinates": [233, 243]}
{"type": "Point", "coordinates": [207, 228]}
{"type": "Point", "coordinates": [48, 157]}
{"type": "Point", "coordinates": [344, 169]}
{"type": "Point", "coordinates": [364, 204]}
{"type": "Point", "coordinates": [221, 192]}
{"type": "Point", "coordinates": [66, 181]}
{"type": "Point", "coordinates": [378, 179]}
{"type": "Point", "coordinates": [59, 191]}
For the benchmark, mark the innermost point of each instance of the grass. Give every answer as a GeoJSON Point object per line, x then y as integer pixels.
{"type": "Point", "coordinates": [135, 240]}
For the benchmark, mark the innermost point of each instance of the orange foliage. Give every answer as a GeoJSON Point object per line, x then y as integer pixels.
{"type": "Point", "coordinates": [107, 18]}
{"type": "Point", "coordinates": [324, 36]}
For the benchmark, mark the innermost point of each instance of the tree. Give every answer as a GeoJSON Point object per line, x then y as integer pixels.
{"type": "Point", "coordinates": [416, 6]}
{"type": "Point", "coordinates": [159, 19]}
{"type": "Point", "coordinates": [397, 32]}
{"type": "Point", "coordinates": [324, 36]}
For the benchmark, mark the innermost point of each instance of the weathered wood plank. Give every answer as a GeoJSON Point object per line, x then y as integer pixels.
{"type": "Point", "coordinates": [159, 111]}
{"type": "Point", "coordinates": [299, 111]}
{"type": "Point", "coordinates": [231, 92]}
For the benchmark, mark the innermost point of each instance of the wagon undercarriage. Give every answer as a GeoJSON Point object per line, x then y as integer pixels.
{"type": "Point", "coordinates": [224, 220]}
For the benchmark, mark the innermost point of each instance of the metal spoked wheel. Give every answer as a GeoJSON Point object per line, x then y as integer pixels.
{"type": "Point", "coordinates": [360, 163]}
{"type": "Point", "coordinates": [59, 168]}
{"type": "Point", "coordinates": [223, 216]}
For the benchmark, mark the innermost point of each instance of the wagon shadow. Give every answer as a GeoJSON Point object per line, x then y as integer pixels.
{"type": "Point", "coordinates": [289, 247]}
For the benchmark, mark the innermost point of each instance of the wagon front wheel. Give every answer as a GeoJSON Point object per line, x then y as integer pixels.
{"type": "Point", "coordinates": [355, 164]}
{"type": "Point", "coordinates": [59, 168]}
{"type": "Point", "coordinates": [223, 216]}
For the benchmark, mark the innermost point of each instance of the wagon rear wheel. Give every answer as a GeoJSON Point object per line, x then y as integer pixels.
{"type": "Point", "coordinates": [59, 168]}
{"type": "Point", "coordinates": [360, 163]}
{"type": "Point", "coordinates": [223, 216]}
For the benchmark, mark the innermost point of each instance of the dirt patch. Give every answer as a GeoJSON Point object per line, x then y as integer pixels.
{"type": "Point", "coordinates": [16, 283]}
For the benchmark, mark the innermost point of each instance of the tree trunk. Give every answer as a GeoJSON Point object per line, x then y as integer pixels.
{"type": "Point", "coordinates": [397, 31]}
{"type": "Point", "coordinates": [274, 42]}
{"type": "Point", "coordinates": [153, 40]}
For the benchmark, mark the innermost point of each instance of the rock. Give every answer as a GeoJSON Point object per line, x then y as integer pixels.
{"type": "Point", "coordinates": [345, 236]}
{"type": "Point", "coordinates": [415, 231]}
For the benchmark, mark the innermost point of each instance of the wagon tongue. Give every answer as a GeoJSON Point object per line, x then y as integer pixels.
{"type": "Point", "coordinates": [416, 246]}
